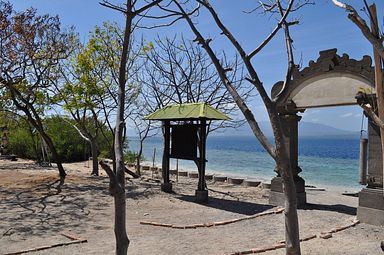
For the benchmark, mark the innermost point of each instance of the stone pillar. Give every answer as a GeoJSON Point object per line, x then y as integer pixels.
{"type": "Point", "coordinates": [291, 135]}
{"type": "Point", "coordinates": [371, 198]}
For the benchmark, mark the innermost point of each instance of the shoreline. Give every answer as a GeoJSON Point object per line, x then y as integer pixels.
{"type": "Point", "coordinates": [265, 179]}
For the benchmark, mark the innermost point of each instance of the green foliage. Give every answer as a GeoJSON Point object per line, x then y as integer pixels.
{"type": "Point", "coordinates": [22, 143]}
{"type": "Point", "coordinates": [69, 144]}
{"type": "Point", "coordinates": [130, 156]}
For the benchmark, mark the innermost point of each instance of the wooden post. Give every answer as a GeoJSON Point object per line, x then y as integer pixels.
{"type": "Point", "coordinates": [166, 186]}
{"type": "Point", "coordinates": [363, 161]}
{"type": "Point", "coordinates": [154, 157]}
{"type": "Point", "coordinates": [378, 79]}
{"type": "Point", "coordinates": [202, 155]}
{"type": "Point", "coordinates": [201, 193]}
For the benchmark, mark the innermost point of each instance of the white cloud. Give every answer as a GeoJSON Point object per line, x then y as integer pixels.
{"type": "Point", "coordinates": [315, 120]}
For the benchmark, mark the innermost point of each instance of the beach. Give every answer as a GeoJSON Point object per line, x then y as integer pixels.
{"type": "Point", "coordinates": [236, 219]}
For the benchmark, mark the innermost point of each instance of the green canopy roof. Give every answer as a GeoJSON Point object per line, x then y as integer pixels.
{"type": "Point", "coordinates": [187, 111]}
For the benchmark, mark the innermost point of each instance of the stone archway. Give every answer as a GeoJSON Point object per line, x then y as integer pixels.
{"type": "Point", "coordinates": [331, 80]}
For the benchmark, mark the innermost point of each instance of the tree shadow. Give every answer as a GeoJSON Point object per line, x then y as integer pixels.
{"type": "Point", "coordinates": [24, 166]}
{"type": "Point", "coordinates": [345, 209]}
{"type": "Point", "coordinates": [234, 206]}
{"type": "Point", "coordinates": [47, 209]}
{"type": "Point", "coordinates": [141, 190]}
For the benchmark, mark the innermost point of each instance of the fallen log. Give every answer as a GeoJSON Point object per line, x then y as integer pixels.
{"type": "Point", "coordinates": [211, 224]}
{"type": "Point", "coordinates": [47, 247]}
{"type": "Point", "coordinates": [272, 247]}
{"type": "Point", "coordinates": [281, 244]}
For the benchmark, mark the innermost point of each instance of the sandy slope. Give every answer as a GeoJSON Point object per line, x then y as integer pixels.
{"type": "Point", "coordinates": [33, 214]}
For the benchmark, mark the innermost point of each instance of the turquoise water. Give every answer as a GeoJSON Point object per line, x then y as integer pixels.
{"type": "Point", "coordinates": [326, 162]}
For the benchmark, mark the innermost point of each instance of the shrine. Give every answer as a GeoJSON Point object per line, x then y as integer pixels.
{"type": "Point", "coordinates": [185, 134]}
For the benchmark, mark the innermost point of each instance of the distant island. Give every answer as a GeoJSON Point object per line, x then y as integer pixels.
{"type": "Point", "coordinates": [306, 129]}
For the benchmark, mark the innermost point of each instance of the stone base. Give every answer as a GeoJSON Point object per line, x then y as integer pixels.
{"type": "Point", "coordinates": [201, 196]}
{"type": "Point", "coordinates": [166, 187]}
{"type": "Point", "coordinates": [276, 195]}
{"type": "Point", "coordinates": [371, 207]}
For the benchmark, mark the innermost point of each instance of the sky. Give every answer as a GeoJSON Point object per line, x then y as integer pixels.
{"type": "Point", "coordinates": [322, 26]}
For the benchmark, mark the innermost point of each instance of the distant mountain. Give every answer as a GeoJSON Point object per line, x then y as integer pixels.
{"type": "Point", "coordinates": [306, 129]}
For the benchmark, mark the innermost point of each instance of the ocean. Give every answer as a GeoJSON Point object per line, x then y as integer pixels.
{"type": "Point", "coordinates": [330, 163]}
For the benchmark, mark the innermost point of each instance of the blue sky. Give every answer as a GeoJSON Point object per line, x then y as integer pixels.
{"type": "Point", "coordinates": [323, 26]}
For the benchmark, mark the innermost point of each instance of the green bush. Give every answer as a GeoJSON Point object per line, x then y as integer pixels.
{"type": "Point", "coordinates": [130, 157]}
{"type": "Point", "coordinates": [21, 143]}
{"type": "Point", "coordinates": [69, 144]}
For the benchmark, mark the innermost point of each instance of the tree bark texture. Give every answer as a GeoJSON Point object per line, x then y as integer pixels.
{"type": "Point", "coordinates": [122, 241]}
{"type": "Point", "coordinates": [95, 152]}
{"type": "Point", "coordinates": [378, 80]}
{"type": "Point", "coordinates": [278, 152]}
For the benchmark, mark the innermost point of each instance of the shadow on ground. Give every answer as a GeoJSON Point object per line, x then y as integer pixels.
{"type": "Point", "coordinates": [234, 206]}
{"type": "Point", "coordinates": [42, 208]}
{"type": "Point", "coordinates": [345, 209]}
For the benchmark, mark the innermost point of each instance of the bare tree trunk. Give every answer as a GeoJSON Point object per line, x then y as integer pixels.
{"type": "Point", "coordinates": [55, 155]}
{"type": "Point", "coordinates": [379, 81]}
{"type": "Point", "coordinates": [95, 151]}
{"type": "Point", "coordinates": [122, 241]}
{"type": "Point", "coordinates": [139, 153]}
{"type": "Point", "coordinates": [34, 120]}
{"type": "Point", "coordinates": [117, 179]}
{"type": "Point", "coordinates": [279, 152]}
{"type": "Point", "coordinates": [292, 237]}
{"type": "Point", "coordinates": [138, 165]}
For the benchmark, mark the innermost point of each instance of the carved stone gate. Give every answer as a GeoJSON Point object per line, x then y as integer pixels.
{"type": "Point", "coordinates": [332, 80]}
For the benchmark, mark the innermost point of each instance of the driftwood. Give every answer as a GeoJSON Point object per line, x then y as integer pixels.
{"type": "Point", "coordinates": [341, 228]}
{"type": "Point", "coordinates": [70, 236]}
{"type": "Point", "coordinates": [48, 247]}
{"type": "Point", "coordinates": [276, 246]}
{"type": "Point", "coordinates": [212, 224]}
{"type": "Point", "coordinates": [281, 244]}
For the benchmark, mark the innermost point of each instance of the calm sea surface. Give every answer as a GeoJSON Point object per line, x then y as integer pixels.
{"type": "Point", "coordinates": [326, 162]}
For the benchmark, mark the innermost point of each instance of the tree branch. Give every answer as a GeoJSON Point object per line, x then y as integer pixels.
{"type": "Point", "coordinates": [273, 33]}
{"type": "Point", "coordinates": [362, 25]}
{"type": "Point", "coordinates": [113, 184]}
{"type": "Point", "coordinates": [368, 109]}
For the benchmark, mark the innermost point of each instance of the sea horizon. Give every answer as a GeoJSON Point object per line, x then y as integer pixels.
{"type": "Point", "coordinates": [329, 162]}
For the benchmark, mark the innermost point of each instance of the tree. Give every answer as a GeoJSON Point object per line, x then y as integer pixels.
{"type": "Point", "coordinates": [80, 92]}
{"type": "Point", "coordinates": [376, 39]}
{"type": "Point", "coordinates": [277, 150]}
{"type": "Point", "coordinates": [32, 46]}
{"type": "Point", "coordinates": [117, 179]}
{"type": "Point", "coordinates": [178, 71]}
